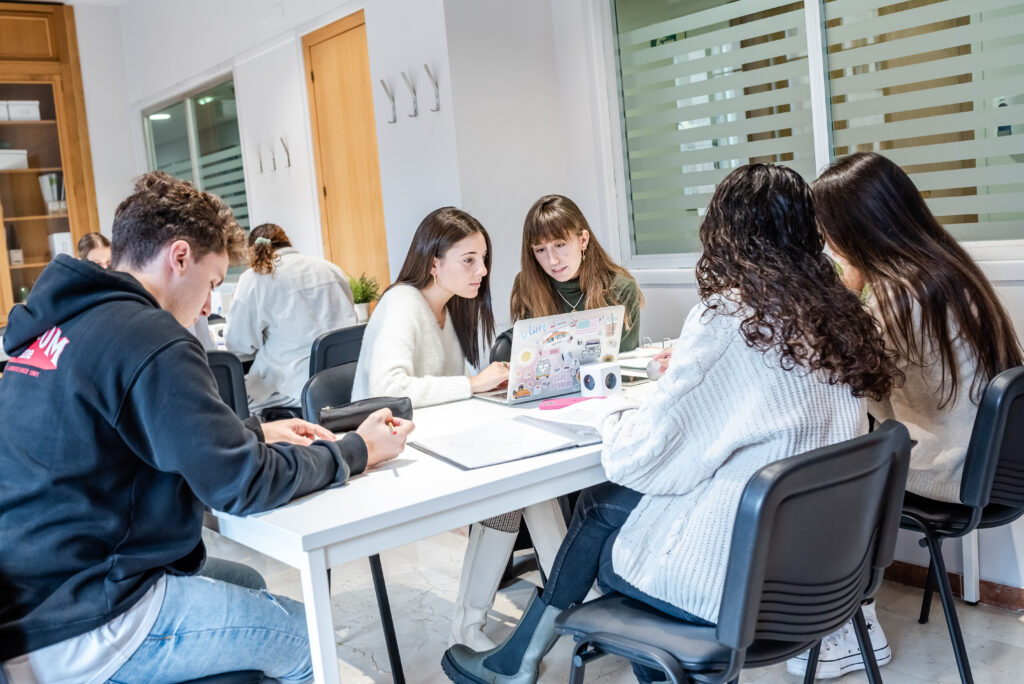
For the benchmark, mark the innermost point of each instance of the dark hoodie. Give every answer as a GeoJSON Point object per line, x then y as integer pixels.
{"type": "Point", "coordinates": [112, 438]}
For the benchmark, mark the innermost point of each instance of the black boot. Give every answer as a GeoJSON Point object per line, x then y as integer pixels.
{"type": "Point", "coordinates": [516, 661]}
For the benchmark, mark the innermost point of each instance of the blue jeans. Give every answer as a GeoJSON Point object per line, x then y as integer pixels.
{"type": "Point", "coordinates": [586, 555]}
{"type": "Point", "coordinates": [208, 625]}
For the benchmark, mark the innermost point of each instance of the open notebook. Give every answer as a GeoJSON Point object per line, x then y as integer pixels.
{"type": "Point", "coordinates": [507, 440]}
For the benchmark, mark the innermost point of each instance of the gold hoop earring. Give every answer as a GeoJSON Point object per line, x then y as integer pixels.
{"type": "Point", "coordinates": [584, 257]}
{"type": "Point", "coordinates": [435, 279]}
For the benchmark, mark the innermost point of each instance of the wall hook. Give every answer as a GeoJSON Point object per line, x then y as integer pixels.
{"type": "Point", "coordinates": [259, 158]}
{"type": "Point", "coordinates": [437, 91]}
{"type": "Point", "coordinates": [287, 154]}
{"type": "Point", "coordinates": [391, 99]}
{"type": "Point", "coordinates": [273, 158]}
{"type": "Point", "coordinates": [415, 105]}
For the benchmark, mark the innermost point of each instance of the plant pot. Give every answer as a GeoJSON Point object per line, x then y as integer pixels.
{"type": "Point", "coordinates": [363, 312]}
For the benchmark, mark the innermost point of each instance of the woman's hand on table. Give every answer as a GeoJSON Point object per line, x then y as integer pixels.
{"type": "Point", "coordinates": [384, 436]}
{"type": "Point", "coordinates": [489, 377]}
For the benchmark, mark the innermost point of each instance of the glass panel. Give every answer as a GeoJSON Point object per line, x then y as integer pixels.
{"type": "Point", "coordinates": [938, 87]}
{"type": "Point", "coordinates": [32, 200]}
{"type": "Point", "coordinates": [168, 132]}
{"type": "Point", "coordinates": [705, 87]}
{"type": "Point", "coordinates": [220, 149]}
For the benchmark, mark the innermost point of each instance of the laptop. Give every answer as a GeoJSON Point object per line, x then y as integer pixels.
{"type": "Point", "coordinates": [547, 353]}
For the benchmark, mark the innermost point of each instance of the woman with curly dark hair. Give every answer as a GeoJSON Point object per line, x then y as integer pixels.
{"type": "Point", "coordinates": [775, 360]}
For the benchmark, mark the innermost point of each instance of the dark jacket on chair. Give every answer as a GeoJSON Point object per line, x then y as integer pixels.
{"type": "Point", "coordinates": [113, 439]}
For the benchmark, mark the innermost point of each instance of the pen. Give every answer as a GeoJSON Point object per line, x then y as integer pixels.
{"type": "Point", "coordinates": [392, 426]}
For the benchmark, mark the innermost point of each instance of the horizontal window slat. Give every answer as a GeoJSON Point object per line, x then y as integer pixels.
{"type": "Point", "coordinates": [966, 149]}
{"type": "Point", "coordinates": [982, 176]}
{"type": "Point", "coordinates": [951, 37]}
{"type": "Point", "coordinates": [1001, 60]}
{"type": "Point", "coordinates": [800, 146]}
{"type": "Point", "coordinates": [641, 146]}
{"type": "Point", "coordinates": [696, 20]}
{"type": "Point", "coordinates": [233, 151]}
{"type": "Point", "coordinates": [907, 19]}
{"type": "Point", "coordinates": [919, 99]}
{"type": "Point", "coordinates": [631, 59]}
{"type": "Point", "coordinates": [977, 204]}
{"type": "Point", "coordinates": [797, 96]}
{"type": "Point", "coordinates": [795, 45]}
{"type": "Point", "coordinates": [933, 125]}
{"type": "Point", "coordinates": [795, 72]}
{"type": "Point", "coordinates": [987, 230]}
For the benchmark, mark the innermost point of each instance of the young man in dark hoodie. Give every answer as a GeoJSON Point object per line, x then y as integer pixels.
{"type": "Point", "coordinates": [115, 438]}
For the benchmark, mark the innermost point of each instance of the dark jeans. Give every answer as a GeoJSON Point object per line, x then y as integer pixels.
{"type": "Point", "coordinates": [586, 555]}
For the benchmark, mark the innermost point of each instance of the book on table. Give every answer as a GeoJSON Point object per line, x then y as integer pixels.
{"type": "Point", "coordinates": [507, 440]}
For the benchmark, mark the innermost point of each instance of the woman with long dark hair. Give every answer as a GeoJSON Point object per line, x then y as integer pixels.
{"type": "Point", "coordinates": [772, 362]}
{"type": "Point", "coordinates": [564, 269]}
{"type": "Point", "coordinates": [430, 322]}
{"type": "Point", "coordinates": [938, 313]}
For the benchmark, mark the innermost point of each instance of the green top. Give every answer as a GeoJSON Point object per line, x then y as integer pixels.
{"type": "Point", "coordinates": [624, 291]}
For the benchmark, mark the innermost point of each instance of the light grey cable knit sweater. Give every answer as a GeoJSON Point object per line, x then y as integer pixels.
{"type": "Point", "coordinates": [941, 433]}
{"type": "Point", "coordinates": [406, 354]}
{"type": "Point", "coordinates": [721, 411]}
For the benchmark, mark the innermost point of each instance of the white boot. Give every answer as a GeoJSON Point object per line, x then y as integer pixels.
{"type": "Point", "coordinates": [547, 530]}
{"type": "Point", "coordinates": [486, 557]}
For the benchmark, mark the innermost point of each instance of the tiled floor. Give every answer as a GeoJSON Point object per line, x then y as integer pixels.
{"type": "Point", "coordinates": [423, 578]}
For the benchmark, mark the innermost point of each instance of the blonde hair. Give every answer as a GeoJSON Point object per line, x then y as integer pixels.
{"type": "Point", "coordinates": [554, 217]}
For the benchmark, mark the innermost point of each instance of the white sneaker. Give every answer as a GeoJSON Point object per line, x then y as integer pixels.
{"type": "Point", "coordinates": [840, 652]}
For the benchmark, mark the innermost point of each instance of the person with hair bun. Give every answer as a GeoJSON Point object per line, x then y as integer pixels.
{"type": "Point", "coordinates": [95, 247]}
{"type": "Point", "coordinates": [281, 304]}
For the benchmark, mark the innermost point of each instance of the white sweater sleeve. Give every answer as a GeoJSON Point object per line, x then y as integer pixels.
{"type": "Point", "coordinates": [393, 368]}
{"type": "Point", "coordinates": [642, 436]}
{"type": "Point", "coordinates": [245, 327]}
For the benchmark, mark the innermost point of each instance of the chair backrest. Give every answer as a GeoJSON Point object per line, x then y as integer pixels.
{"type": "Point", "coordinates": [812, 537]}
{"type": "Point", "coordinates": [331, 387]}
{"type": "Point", "coordinates": [994, 464]}
{"type": "Point", "coordinates": [335, 348]}
{"type": "Point", "coordinates": [227, 371]}
{"type": "Point", "coordinates": [502, 349]}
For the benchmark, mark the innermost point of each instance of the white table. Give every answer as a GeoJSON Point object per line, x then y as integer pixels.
{"type": "Point", "coordinates": [410, 498]}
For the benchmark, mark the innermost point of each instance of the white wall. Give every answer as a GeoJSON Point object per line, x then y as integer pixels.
{"type": "Point", "coordinates": [106, 103]}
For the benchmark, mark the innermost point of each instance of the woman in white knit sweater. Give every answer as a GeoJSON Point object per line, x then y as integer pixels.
{"type": "Point", "coordinates": [772, 362]}
{"type": "Point", "coordinates": [940, 315]}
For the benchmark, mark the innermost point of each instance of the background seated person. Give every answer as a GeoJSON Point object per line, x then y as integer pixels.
{"type": "Point", "coordinates": [107, 466]}
{"type": "Point", "coordinates": [95, 247]}
{"type": "Point", "coordinates": [283, 302]}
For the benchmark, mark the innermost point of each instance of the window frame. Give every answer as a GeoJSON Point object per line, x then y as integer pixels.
{"type": "Point", "coordinates": [606, 78]}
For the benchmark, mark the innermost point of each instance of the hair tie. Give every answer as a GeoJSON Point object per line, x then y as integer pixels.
{"type": "Point", "coordinates": [263, 241]}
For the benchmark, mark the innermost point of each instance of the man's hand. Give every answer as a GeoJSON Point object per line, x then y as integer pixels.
{"type": "Point", "coordinates": [384, 436]}
{"type": "Point", "coordinates": [294, 431]}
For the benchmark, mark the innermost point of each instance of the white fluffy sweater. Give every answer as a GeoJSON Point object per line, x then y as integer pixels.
{"type": "Point", "coordinates": [721, 411]}
{"type": "Point", "coordinates": [406, 354]}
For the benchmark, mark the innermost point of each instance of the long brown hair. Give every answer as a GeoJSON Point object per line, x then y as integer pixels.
{"type": "Point", "coordinates": [762, 248]}
{"type": "Point", "coordinates": [262, 251]}
{"type": "Point", "coordinates": [435, 235]}
{"type": "Point", "coordinates": [91, 241]}
{"type": "Point", "coordinates": [555, 217]}
{"type": "Point", "coordinates": [874, 216]}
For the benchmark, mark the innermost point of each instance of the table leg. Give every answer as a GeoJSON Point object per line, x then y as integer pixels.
{"type": "Point", "coordinates": [972, 574]}
{"type": "Point", "coordinates": [316, 594]}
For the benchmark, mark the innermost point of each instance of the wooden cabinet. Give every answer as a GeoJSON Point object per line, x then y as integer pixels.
{"type": "Point", "coordinates": [47, 196]}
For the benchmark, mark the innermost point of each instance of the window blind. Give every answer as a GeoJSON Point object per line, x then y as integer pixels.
{"type": "Point", "coordinates": [938, 87]}
{"type": "Point", "coordinates": [706, 87]}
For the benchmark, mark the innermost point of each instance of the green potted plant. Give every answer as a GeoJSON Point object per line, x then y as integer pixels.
{"type": "Point", "coordinates": [364, 290]}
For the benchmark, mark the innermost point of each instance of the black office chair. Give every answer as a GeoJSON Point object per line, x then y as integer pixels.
{"type": "Point", "coordinates": [333, 387]}
{"type": "Point", "coordinates": [812, 538]}
{"type": "Point", "coordinates": [335, 348]}
{"type": "Point", "coordinates": [227, 370]}
{"type": "Point", "coordinates": [991, 494]}
{"type": "Point", "coordinates": [501, 350]}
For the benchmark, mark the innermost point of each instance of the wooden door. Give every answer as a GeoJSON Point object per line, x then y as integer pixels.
{"type": "Point", "coordinates": [345, 147]}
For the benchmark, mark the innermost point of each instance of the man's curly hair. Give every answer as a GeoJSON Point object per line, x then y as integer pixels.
{"type": "Point", "coordinates": [163, 209]}
{"type": "Point", "coordinates": [762, 248]}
